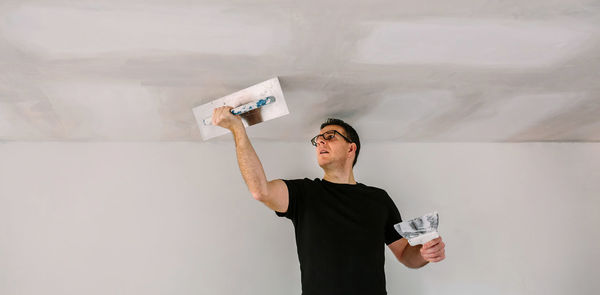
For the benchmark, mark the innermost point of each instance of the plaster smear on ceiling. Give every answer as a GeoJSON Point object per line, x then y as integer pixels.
{"type": "Point", "coordinates": [396, 70]}
{"type": "Point", "coordinates": [522, 112]}
{"type": "Point", "coordinates": [118, 110]}
{"type": "Point", "coordinates": [441, 115]}
{"type": "Point", "coordinates": [399, 115]}
{"type": "Point", "coordinates": [498, 43]}
{"type": "Point", "coordinates": [16, 120]}
{"type": "Point", "coordinates": [63, 32]}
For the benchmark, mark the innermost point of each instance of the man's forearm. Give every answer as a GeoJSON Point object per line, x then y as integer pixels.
{"type": "Point", "coordinates": [250, 166]}
{"type": "Point", "coordinates": [411, 256]}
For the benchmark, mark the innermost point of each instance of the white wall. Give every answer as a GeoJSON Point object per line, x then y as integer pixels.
{"type": "Point", "coordinates": [176, 218]}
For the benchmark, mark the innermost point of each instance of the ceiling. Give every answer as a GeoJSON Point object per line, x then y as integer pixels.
{"type": "Point", "coordinates": [410, 71]}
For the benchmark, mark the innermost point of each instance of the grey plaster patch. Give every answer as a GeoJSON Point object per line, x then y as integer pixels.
{"type": "Point", "coordinates": [560, 126]}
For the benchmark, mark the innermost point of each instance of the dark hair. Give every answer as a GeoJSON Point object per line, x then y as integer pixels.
{"type": "Point", "coordinates": [350, 133]}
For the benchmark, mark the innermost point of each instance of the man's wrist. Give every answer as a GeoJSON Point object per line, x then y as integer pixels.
{"type": "Point", "coordinates": [237, 128]}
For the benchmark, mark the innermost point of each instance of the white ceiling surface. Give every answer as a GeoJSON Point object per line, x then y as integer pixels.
{"type": "Point", "coordinates": [462, 70]}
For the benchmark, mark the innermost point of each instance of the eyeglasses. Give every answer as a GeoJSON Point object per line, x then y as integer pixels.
{"type": "Point", "coordinates": [328, 135]}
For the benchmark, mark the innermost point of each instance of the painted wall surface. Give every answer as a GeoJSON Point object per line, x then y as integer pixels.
{"type": "Point", "coordinates": [176, 218]}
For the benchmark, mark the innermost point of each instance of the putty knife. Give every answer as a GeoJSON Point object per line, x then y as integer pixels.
{"type": "Point", "coordinates": [255, 104]}
{"type": "Point", "coordinates": [419, 230]}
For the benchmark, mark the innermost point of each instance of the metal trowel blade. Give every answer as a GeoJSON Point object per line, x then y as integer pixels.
{"type": "Point", "coordinates": [253, 93]}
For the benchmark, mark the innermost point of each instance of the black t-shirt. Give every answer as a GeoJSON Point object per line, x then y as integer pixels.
{"type": "Point", "coordinates": [340, 234]}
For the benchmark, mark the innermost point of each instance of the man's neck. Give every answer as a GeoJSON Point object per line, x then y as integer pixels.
{"type": "Point", "coordinates": [340, 176]}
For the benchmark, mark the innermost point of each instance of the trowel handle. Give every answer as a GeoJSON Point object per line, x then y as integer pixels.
{"type": "Point", "coordinates": [246, 108]}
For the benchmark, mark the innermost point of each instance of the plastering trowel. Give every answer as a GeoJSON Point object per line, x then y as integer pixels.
{"type": "Point", "coordinates": [255, 104]}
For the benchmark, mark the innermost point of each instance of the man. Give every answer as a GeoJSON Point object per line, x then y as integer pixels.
{"type": "Point", "coordinates": [340, 225]}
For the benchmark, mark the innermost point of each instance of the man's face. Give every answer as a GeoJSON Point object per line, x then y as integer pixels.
{"type": "Point", "coordinates": [335, 150]}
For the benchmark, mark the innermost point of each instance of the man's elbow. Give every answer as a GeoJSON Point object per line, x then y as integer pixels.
{"type": "Point", "coordinates": [259, 196]}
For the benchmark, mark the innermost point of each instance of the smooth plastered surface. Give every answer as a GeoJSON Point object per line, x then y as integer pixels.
{"type": "Point", "coordinates": [399, 70]}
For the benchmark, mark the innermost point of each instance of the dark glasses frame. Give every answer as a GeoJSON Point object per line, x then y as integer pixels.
{"type": "Point", "coordinates": [313, 140]}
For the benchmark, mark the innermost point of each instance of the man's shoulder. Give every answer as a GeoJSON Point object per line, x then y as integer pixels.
{"type": "Point", "coordinates": [375, 190]}
{"type": "Point", "coordinates": [300, 181]}
{"type": "Point", "coordinates": [305, 179]}
{"type": "Point", "coordinates": [319, 181]}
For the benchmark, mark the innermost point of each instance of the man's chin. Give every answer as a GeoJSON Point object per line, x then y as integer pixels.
{"type": "Point", "coordinates": [324, 163]}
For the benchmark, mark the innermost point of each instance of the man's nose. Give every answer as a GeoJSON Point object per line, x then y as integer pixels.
{"type": "Point", "coordinates": [320, 140]}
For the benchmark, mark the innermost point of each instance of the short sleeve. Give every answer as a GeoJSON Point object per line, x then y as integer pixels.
{"type": "Point", "coordinates": [393, 217]}
{"type": "Point", "coordinates": [296, 190]}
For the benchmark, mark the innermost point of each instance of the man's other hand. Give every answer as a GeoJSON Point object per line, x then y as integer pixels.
{"type": "Point", "coordinates": [223, 117]}
{"type": "Point", "coordinates": [434, 250]}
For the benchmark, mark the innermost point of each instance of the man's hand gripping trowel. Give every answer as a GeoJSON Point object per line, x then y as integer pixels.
{"type": "Point", "coordinates": [255, 104]}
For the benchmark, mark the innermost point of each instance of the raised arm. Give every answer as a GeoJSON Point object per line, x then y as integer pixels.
{"type": "Point", "coordinates": [273, 194]}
